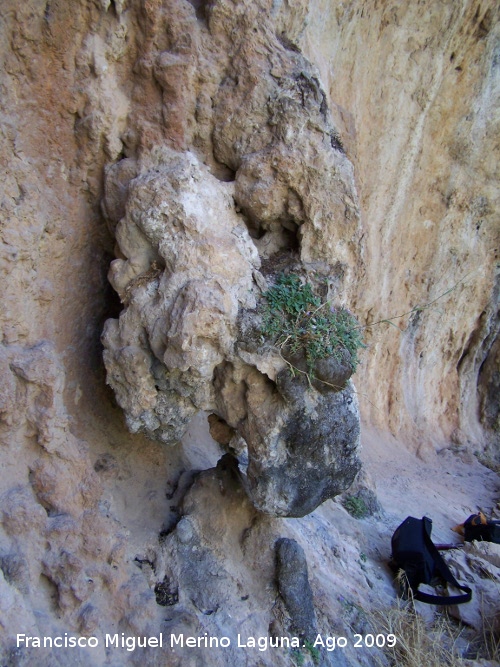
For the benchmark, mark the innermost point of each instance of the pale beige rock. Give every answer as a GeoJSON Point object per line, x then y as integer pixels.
{"type": "Point", "coordinates": [180, 321]}
{"type": "Point", "coordinates": [86, 87]}
{"type": "Point", "coordinates": [416, 97]}
{"type": "Point", "coordinates": [478, 565]}
{"type": "Point", "coordinates": [188, 262]}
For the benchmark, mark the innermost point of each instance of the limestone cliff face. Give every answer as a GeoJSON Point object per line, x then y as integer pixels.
{"type": "Point", "coordinates": [416, 92]}
{"type": "Point", "coordinates": [359, 141]}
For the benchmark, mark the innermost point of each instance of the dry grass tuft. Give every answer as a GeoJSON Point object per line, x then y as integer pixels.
{"type": "Point", "coordinates": [418, 644]}
{"type": "Point", "coordinates": [444, 643]}
{"type": "Point", "coordinates": [489, 640]}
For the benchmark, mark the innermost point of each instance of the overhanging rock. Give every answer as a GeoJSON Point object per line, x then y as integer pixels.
{"type": "Point", "coordinates": [255, 180]}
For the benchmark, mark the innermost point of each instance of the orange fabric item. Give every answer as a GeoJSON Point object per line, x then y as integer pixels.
{"type": "Point", "coordinates": [473, 520]}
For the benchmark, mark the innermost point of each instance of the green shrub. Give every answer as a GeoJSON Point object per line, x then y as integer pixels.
{"type": "Point", "coordinates": [297, 657]}
{"type": "Point", "coordinates": [295, 319]}
{"type": "Point", "coordinates": [356, 507]}
{"type": "Point", "coordinates": [315, 654]}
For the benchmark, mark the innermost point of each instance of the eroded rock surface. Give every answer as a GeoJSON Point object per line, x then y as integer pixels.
{"type": "Point", "coordinates": [294, 587]}
{"type": "Point", "coordinates": [418, 114]}
{"type": "Point", "coordinates": [92, 89]}
{"type": "Point", "coordinates": [188, 271]}
{"type": "Point", "coordinates": [302, 444]}
{"type": "Point", "coordinates": [260, 172]}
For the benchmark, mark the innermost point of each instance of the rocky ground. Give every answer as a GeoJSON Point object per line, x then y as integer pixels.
{"type": "Point", "coordinates": [199, 558]}
{"type": "Point", "coordinates": [161, 161]}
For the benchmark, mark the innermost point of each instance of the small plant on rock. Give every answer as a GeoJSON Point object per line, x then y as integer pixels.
{"type": "Point", "coordinates": [356, 507]}
{"type": "Point", "coordinates": [315, 654]}
{"type": "Point", "coordinates": [296, 320]}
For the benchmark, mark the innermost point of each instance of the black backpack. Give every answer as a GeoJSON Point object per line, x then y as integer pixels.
{"type": "Point", "coordinates": [414, 552]}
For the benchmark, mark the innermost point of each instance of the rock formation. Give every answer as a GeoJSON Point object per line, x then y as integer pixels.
{"type": "Point", "coordinates": [294, 587]}
{"type": "Point", "coordinates": [200, 149]}
{"type": "Point", "coordinates": [192, 244]}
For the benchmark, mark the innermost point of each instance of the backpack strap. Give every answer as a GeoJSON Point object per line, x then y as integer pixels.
{"type": "Point", "coordinates": [445, 573]}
